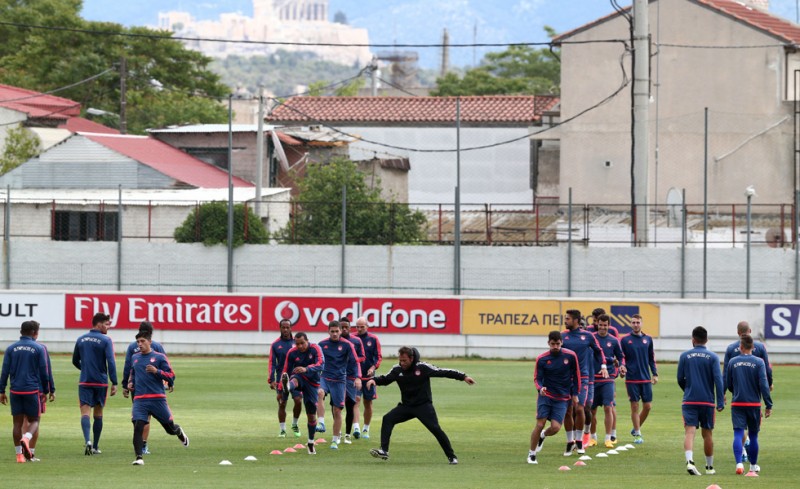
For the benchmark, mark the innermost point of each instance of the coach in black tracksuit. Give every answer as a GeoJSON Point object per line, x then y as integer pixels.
{"type": "Point", "coordinates": [413, 378]}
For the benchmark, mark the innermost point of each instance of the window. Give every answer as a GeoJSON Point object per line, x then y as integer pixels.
{"type": "Point", "coordinates": [84, 226]}
{"type": "Point", "coordinates": [215, 156]}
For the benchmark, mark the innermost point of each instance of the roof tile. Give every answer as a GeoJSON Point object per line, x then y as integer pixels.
{"type": "Point", "coordinates": [38, 105]}
{"type": "Point", "coordinates": [496, 109]}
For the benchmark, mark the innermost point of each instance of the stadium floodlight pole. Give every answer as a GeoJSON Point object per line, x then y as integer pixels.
{"type": "Point", "coordinates": [119, 240]}
{"type": "Point", "coordinates": [749, 192]}
{"type": "Point", "coordinates": [457, 230]}
{"type": "Point", "coordinates": [7, 237]}
{"type": "Point", "coordinates": [705, 204]}
{"type": "Point", "coordinates": [230, 193]}
{"type": "Point", "coordinates": [344, 233]}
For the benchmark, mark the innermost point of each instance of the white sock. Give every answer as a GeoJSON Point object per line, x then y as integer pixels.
{"type": "Point", "coordinates": [570, 438]}
{"type": "Point", "coordinates": [294, 421]}
{"type": "Point", "coordinates": [335, 439]}
{"type": "Point", "coordinates": [356, 427]}
{"type": "Point", "coordinates": [28, 435]}
{"type": "Point", "coordinates": [608, 437]}
{"type": "Point", "coordinates": [709, 461]}
{"type": "Point", "coordinates": [18, 449]}
{"type": "Point", "coordinates": [321, 419]}
{"type": "Point", "coordinates": [614, 433]}
{"type": "Point", "coordinates": [531, 452]}
{"type": "Point", "coordinates": [542, 435]}
{"type": "Point", "coordinates": [689, 455]}
{"type": "Point", "coordinates": [310, 441]}
{"type": "Point", "coordinates": [283, 426]}
{"type": "Point", "coordinates": [366, 427]}
{"type": "Point", "coordinates": [587, 428]}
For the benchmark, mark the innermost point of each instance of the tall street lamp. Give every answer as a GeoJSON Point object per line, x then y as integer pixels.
{"type": "Point", "coordinates": [749, 192]}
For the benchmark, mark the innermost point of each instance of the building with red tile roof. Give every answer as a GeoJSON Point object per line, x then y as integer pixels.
{"type": "Point", "coordinates": [737, 60]}
{"type": "Point", "coordinates": [493, 159]}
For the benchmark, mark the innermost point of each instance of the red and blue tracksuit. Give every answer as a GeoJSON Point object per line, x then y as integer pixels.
{"type": "Point", "coordinates": [759, 350]}
{"type": "Point", "coordinates": [340, 358]}
{"type": "Point", "coordinates": [277, 358]}
{"type": "Point", "coordinates": [746, 378]}
{"type": "Point", "coordinates": [150, 398]}
{"type": "Point", "coordinates": [560, 373]}
{"type": "Point", "coordinates": [94, 357]}
{"type": "Point", "coordinates": [372, 358]}
{"type": "Point", "coordinates": [26, 364]}
{"type": "Point", "coordinates": [640, 361]}
{"type": "Point", "coordinates": [605, 389]}
{"type": "Point", "coordinates": [590, 357]}
{"type": "Point", "coordinates": [307, 382]}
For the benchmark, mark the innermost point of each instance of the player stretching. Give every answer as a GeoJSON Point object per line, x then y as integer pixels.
{"type": "Point", "coordinates": [277, 358]}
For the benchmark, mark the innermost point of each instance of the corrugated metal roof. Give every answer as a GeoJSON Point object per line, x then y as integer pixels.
{"type": "Point", "coordinates": [79, 124]}
{"type": "Point", "coordinates": [37, 104]}
{"type": "Point", "coordinates": [140, 196]}
{"type": "Point", "coordinates": [167, 160]}
{"type": "Point", "coordinates": [223, 128]}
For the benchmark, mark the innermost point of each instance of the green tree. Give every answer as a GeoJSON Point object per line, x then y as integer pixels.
{"type": "Point", "coordinates": [517, 70]}
{"type": "Point", "coordinates": [20, 146]}
{"type": "Point", "coordinates": [370, 219]}
{"type": "Point", "coordinates": [44, 59]}
{"type": "Point", "coordinates": [208, 224]}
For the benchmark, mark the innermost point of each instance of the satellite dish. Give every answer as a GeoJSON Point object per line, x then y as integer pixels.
{"type": "Point", "coordinates": [775, 237]}
{"type": "Point", "coordinates": [674, 207]}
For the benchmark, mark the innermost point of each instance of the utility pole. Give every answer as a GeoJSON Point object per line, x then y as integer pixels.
{"type": "Point", "coordinates": [123, 96]}
{"type": "Point", "coordinates": [445, 53]}
{"type": "Point", "coordinates": [641, 101]}
{"type": "Point", "coordinates": [373, 68]}
{"type": "Point", "coordinates": [260, 151]}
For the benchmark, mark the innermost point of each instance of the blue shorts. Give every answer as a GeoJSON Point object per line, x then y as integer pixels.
{"type": "Point", "coordinates": [335, 389]}
{"type": "Point", "coordinates": [157, 407]}
{"type": "Point", "coordinates": [92, 395]}
{"type": "Point", "coordinates": [305, 390]}
{"type": "Point", "coordinates": [368, 393]}
{"type": "Point", "coordinates": [27, 404]}
{"type": "Point", "coordinates": [640, 391]}
{"type": "Point", "coordinates": [604, 393]}
{"type": "Point", "coordinates": [552, 409]}
{"type": "Point", "coordinates": [583, 394]}
{"type": "Point", "coordinates": [699, 416]}
{"type": "Point", "coordinates": [352, 392]}
{"type": "Point", "coordinates": [748, 418]}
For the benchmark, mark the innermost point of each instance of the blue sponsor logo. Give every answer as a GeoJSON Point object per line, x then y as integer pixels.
{"type": "Point", "coordinates": [782, 321]}
{"type": "Point", "coordinates": [621, 317]}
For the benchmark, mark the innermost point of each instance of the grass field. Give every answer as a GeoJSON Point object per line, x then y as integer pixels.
{"type": "Point", "coordinates": [229, 414]}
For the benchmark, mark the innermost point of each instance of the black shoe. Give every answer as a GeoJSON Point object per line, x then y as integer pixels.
{"type": "Point", "coordinates": [182, 437]}
{"type": "Point", "coordinates": [311, 449]}
{"type": "Point", "coordinates": [379, 453]}
{"type": "Point", "coordinates": [452, 460]}
{"type": "Point", "coordinates": [570, 448]}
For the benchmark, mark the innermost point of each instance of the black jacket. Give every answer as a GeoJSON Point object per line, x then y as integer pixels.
{"type": "Point", "coordinates": [415, 383]}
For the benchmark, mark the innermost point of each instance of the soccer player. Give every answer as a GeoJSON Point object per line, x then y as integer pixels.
{"type": "Point", "coordinates": [759, 350]}
{"type": "Point", "coordinates": [25, 364]}
{"type": "Point", "coordinates": [746, 378]}
{"type": "Point", "coordinates": [596, 313]}
{"type": "Point", "coordinates": [557, 378]}
{"type": "Point", "coordinates": [640, 362]}
{"type": "Point", "coordinates": [700, 380]}
{"type": "Point", "coordinates": [94, 357]}
{"type": "Point", "coordinates": [350, 404]}
{"type": "Point", "coordinates": [372, 362]}
{"type": "Point", "coordinates": [277, 358]}
{"type": "Point", "coordinates": [590, 361]}
{"type": "Point", "coordinates": [133, 348]}
{"type": "Point", "coordinates": [149, 371]}
{"type": "Point", "coordinates": [47, 393]}
{"type": "Point", "coordinates": [413, 377]}
{"type": "Point", "coordinates": [605, 388]}
{"type": "Point", "coordinates": [300, 379]}
{"type": "Point", "coordinates": [340, 357]}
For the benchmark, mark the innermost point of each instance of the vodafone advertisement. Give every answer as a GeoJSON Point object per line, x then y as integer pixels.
{"type": "Point", "coordinates": [387, 315]}
{"type": "Point", "coordinates": [174, 312]}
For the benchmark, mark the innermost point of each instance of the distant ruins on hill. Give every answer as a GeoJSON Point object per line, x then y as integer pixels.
{"type": "Point", "coordinates": [277, 21]}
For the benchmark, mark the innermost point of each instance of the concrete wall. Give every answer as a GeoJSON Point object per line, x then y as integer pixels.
{"type": "Point", "coordinates": [750, 128]}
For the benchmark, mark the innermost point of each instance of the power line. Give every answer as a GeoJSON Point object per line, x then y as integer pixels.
{"type": "Point", "coordinates": [293, 43]}
{"type": "Point", "coordinates": [59, 89]}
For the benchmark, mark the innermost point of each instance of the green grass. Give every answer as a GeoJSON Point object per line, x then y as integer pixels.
{"type": "Point", "coordinates": [228, 412]}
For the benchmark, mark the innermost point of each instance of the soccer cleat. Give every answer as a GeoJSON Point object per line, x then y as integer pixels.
{"type": "Point", "coordinates": [311, 449]}
{"type": "Point", "coordinates": [690, 467]}
{"type": "Point", "coordinates": [379, 453]}
{"type": "Point", "coordinates": [145, 450]}
{"type": "Point", "coordinates": [296, 430]}
{"type": "Point", "coordinates": [739, 469]}
{"type": "Point", "coordinates": [285, 382]}
{"type": "Point", "coordinates": [282, 434]}
{"type": "Point", "coordinates": [365, 434]}
{"type": "Point", "coordinates": [609, 444]}
{"type": "Point", "coordinates": [586, 438]}
{"type": "Point", "coordinates": [320, 427]}
{"type": "Point", "coordinates": [88, 449]}
{"type": "Point", "coordinates": [96, 451]}
{"type": "Point", "coordinates": [710, 470]}
{"type": "Point", "coordinates": [138, 461]}
{"type": "Point", "coordinates": [26, 448]}
{"type": "Point", "coordinates": [592, 443]}
{"type": "Point", "coordinates": [638, 439]}
{"type": "Point", "coordinates": [579, 447]}
{"type": "Point", "coordinates": [755, 468]}
{"type": "Point", "coordinates": [334, 445]}
{"type": "Point", "coordinates": [532, 459]}
{"type": "Point", "coordinates": [614, 440]}
{"type": "Point", "coordinates": [452, 460]}
{"type": "Point", "coordinates": [570, 448]}
{"type": "Point", "coordinates": [744, 455]}
{"type": "Point", "coordinates": [347, 440]}
{"type": "Point", "coordinates": [34, 459]}
{"type": "Point", "coordinates": [356, 433]}
{"type": "Point", "coordinates": [633, 432]}
{"type": "Point", "coordinates": [182, 437]}
{"type": "Point", "coordinates": [20, 458]}
{"type": "Point", "coordinates": [540, 444]}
